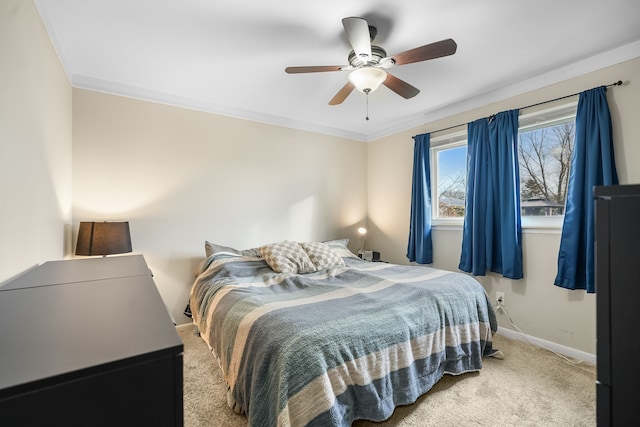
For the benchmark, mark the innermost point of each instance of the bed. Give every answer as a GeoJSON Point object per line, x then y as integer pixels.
{"type": "Point", "coordinates": [334, 338]}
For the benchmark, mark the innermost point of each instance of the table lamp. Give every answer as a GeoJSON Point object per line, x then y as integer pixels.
{"type": "Point", "coordinates": [103, 238]}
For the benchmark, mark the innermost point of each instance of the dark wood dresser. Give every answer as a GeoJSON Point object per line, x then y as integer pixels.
{"type": "Point", "coordinates": [618, 297]}
{"type": "Point", "coordinates": [88, 342]}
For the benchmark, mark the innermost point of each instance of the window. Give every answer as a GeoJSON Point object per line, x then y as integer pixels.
{"type": "Point", "coordinates": [545, 147]}
{"type": "Point", "coordinates": [449, 175]}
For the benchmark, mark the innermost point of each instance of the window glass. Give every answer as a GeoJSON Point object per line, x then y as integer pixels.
{"type": "Point", "coordinates": [545, 147]}
{"type": "Point", "coordinates": [544, 155]}
{"type": "Point", "coordinates": [450, 181]}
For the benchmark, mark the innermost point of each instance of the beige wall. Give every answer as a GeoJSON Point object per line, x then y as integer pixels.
{"type": "Point", "coordinates": [182, 177]}
{"type": "Point", "coordinates": [537, 306]}
{"type": "Point", "coordinates": [35, 143]}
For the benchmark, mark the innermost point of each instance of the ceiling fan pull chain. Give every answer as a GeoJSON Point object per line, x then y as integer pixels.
{"type": "Point", "coordinates": [366, 91]}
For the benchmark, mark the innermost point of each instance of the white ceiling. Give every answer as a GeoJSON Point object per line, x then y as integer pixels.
{"type": "Point", "coordinates": [228, 57]}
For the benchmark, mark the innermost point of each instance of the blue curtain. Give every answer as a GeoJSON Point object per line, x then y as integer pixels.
{"type": "Point", "coordinates": [492, 234]}
{"type": "Point", "coordinates": [592, 164]}
{"type": "Point", "coordinates": [420, 248]}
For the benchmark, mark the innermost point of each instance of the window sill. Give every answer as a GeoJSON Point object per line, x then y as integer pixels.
{"type": "Point", "coordinates": [542, 225]}
{"type": "Point", "coordinates": [530, 225]}
{"type": "Point", "coordinates": [447, 222]}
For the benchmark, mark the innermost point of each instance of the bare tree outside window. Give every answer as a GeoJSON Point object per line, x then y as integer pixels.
{"type": "Point", "coordinates": [545, 157]}
{"type": "Point", "coordinates": [451, 198]}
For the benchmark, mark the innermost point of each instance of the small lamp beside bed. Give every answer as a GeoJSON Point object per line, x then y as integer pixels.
{"type": "Point", "coordinates": [362, 232]}
{"type": "Point", "coordinates": [363, 253]}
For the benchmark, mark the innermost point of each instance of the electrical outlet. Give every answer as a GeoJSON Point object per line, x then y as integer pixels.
{"type": "Point", "coordinates": [500, 298]}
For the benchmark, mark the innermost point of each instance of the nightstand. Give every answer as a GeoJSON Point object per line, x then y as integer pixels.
{"type": "Point", "coordinates": [88, 342]}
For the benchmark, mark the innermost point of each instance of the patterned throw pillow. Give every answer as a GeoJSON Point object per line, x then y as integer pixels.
{"type": "Point", "coordinates": [322, 255]}
{"type": "Point", "coordinates": [287, 257]}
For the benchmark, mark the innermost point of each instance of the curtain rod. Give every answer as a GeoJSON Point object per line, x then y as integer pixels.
{"type": "Point", "coordinates": [618, 83]}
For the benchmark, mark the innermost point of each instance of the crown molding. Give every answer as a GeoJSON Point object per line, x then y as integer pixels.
{"type": "Point", "coordinates": [144, 94]}
{"type": "Point", "coordinates": [569, 71]}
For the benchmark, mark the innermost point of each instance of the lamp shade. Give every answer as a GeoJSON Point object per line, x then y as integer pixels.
{"type": "Point", "coordinates": [367, 79]}
{"type": "Point", "coordinates": [103, 238]}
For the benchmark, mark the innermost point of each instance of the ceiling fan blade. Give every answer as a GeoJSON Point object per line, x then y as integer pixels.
{"type": "Point", "coordinates": [312, 69]}
{"type": "Point", "coordinates": [400, 87]}
{"type": "Point", "coordinates": [430, 51]}
{"type": "Point", "coordinates": [357, 31]}
{"type": "Point", "coordinates": [342, 94]}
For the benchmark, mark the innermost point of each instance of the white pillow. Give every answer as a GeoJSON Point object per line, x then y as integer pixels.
{"type": "Point", "coordinates": [339, 247]}
{"type": "Point", "coordinates": [337, 242]}
{"type": "Point", "coordinates": [287, 257]}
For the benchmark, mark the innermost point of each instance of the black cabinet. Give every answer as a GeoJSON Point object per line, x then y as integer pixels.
{"type": "Point", "coordinates": [88, 342]}
{"type": "Point", "coordinates": [618, 298]}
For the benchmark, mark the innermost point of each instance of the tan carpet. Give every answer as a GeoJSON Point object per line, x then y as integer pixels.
{"type": "Point", "coordinates": [530, 387]}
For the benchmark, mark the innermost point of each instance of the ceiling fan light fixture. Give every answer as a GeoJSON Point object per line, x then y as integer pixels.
{"type": "Point", "coordinates": [367, 79]}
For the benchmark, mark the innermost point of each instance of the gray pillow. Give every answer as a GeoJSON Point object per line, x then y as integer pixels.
{"type": "Point", "coordinates": [212, 248]}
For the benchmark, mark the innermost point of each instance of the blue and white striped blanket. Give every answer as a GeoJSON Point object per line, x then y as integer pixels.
{"type": "Point", "coordinates": [330, 347]}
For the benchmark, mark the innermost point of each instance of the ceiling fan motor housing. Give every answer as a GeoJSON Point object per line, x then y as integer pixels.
{"type": "Point", "coordinates": [377, 54]}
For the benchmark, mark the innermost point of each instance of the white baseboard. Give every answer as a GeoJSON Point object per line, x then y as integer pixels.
{"type": "Point", "coordinates": [559, 348]}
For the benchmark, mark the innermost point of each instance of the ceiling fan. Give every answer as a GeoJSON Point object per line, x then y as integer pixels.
{"type": "Point", "coordinates": [368, 63]}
